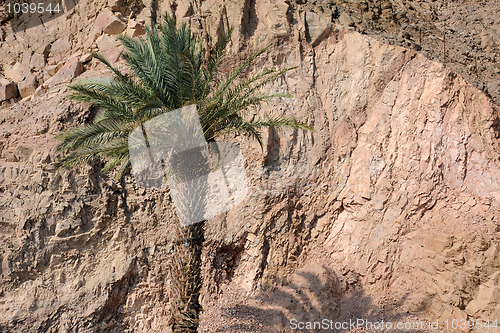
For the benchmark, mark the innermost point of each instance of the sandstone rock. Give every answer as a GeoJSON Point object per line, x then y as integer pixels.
{"type": "Point", "coordinates": [275, 16]}
{"type": "Point", "coordinates": [317, 27]}
{"type": "Point", "coordinates": [62, 45]}
{"type": "Point", "coordinates": [68, 72]}
{"type": "Point", "coordinates": [145, 14]}
{"type": "Point", "coordinates": [439, 243]}
{"type": "Point", "coordinates": [16, 73]}
{"type": "Point", "coordinates": [114, 26]}
{"type": "Point", "coordinates": [62, 228]}
{"type": "Point", "coordinates": [102, 20]}
{"type": "Point", "coordinates": [184, 9]}
{"type": "Point", "coordinates": [112, 55]}
{"type": "Point", "coordinates": [345, 19]}
{"type": "Point", "coordinates": [86, 58]}
{"type": "Point", "coordinates": [397, 139]}
{"type": "Point", "coordinates": [115, 5]}
{"type": "Point", "coordinates": [37, 61]}
{"type": "Point", "coordinates": [136, 28]}
{"type": "Point", "coordinates": [108, 23]}
{"type": "Point", "coordinates": [106, 42]}
{"type": "Point", "coordinates": [52, 69]}
{"type": "Point", "coordinates": [5, 15]}
{"type": "Point", "coordinates": [28, 86]}
{"type": "Point", "coordinates": [385, 4]}
{"type": "Point", "coordinates": [8, 90]}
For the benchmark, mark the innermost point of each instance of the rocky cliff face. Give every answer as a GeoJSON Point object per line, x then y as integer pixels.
{"type": "Point", "coordinates": [390, 206]}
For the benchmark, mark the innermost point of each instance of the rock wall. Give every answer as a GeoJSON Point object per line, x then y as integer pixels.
{"type": "Point", "coordinates": [390, 205]}
{"type": "Point", "coordinates": [462, 34]}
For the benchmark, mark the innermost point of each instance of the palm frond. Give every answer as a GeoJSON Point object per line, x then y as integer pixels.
{"type": "Point", "coordinates": [93, 134]}
{"type": "Point", "coordinates": [171, 68]}
{"type": "Point", "coordinates": [90, 93]}
{"type": "Point", "coordinates": [87, 154]}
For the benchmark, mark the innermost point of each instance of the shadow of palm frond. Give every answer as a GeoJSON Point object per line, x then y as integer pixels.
{"type": "Point", "coordinates": [312, 295]}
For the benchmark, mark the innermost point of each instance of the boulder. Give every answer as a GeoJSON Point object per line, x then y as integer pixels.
{"type": "Point", "coordinates": [86, 58]}
{"type": "Point", "coordinates": [106, 42]}
{"type": "Point", "coordinates": [488, 42]}
{"type": "Point", "coordinates": [37, 61]}
{"type": "Point", "coordinates": [51, 70]}
{"type": "Point", "coordinates": [115, 5]}
{"type": "Point", "coordinates": [60, 46]}
{"type": "Point", "coordinates": [114, 26]}
{"type": "Point", "coordinates": [108, 23]}
{"type": "Point", "coordinates": [113, 55]}
{"type": "Point", "coordinates": [136, 28]}
{"type": "Point", "coordinates": [59, 51]}
{"type": "Point", "coordinates": [28, 86]}
{"type": "Point", "coordinates": [317, 27]}
{"type": "Point", "coordinates": [8, 90]}
{"type": "Point", "coordinates": [184, 9]}
{"type": "Point", "coordinates": [62, 228]}
{"type": "Point", "coordinates": [345, 19]}
{"type": "Point", "coordinates": [16, 73]}
{"type": "Point", "coordinates": [68, 72]}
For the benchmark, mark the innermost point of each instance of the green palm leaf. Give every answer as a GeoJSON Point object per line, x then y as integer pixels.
{"type": "Point", "coordinates": [171, 68]}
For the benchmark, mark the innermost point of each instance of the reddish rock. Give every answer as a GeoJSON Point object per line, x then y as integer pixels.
{"type": "Point", "coordinates": [136, 28]}
{"type": "Point", "coordinates": [60, 46]}
{"type": "Point", "coordinates": [112, 55]}
{"type": "Point", "coordinates": [17, 72]}
{"type": "Point", "coordinates": [405, 154]}
{"type": "Point", "coordinates": [8, 90]}
{"type": "Point", "coordinates": [37, 61]}
{"type": "Point", "coordinates": [102, 20]}
{"type": "Point", "coordinates": [28, 86]}
{"type": "Point", "coordinates": [184, 9]}
{"type": "Point", "coordinates": [108, 23]}
{"type": "Point", "coordinates": [68, 72]}
{"type": "Point", "coordinates": [86, 58]}
{"type": "Point", "coordinates": [318, 27]}
{"type": "Point", "coordinates": [114, 26]}
{"type": "Point", "coordinates": [115, 5]}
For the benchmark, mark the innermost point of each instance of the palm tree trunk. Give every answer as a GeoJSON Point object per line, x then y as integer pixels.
{"type": "Point", "coordinates": [186, 274]}
{"type": "Point", "coordinates": [186, 278]}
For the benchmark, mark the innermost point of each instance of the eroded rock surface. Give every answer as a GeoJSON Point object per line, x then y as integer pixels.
{"type": "Point", "coordinates": [390, 205]}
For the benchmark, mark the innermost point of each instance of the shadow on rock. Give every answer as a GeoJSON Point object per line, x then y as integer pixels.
{"type": "Point", "coordinates": [312, 294]}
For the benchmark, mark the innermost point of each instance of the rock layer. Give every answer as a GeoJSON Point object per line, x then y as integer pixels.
{"type": "Point", "coordinates": [391, 203]}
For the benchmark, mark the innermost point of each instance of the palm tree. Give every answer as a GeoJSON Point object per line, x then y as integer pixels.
{"type": "Point", "coordinates": [170, 69]}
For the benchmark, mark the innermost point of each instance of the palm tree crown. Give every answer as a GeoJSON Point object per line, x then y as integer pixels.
{"type": "Point", "coordinates": [171, 69]}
